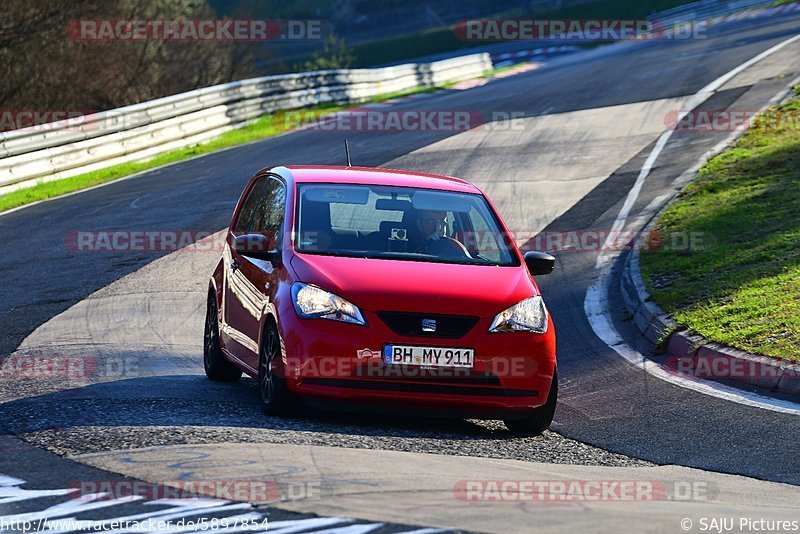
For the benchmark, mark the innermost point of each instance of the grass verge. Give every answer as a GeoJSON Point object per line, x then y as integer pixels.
{"type": "Point", "coordinates": [742, 286]}
{"type": "Point", "coordinates": [266, 126]}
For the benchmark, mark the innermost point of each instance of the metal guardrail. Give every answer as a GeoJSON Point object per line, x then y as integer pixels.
{"type": "Point", "coordinates": [141, 131]}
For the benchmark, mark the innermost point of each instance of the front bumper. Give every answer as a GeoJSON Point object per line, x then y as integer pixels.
{"type": "Point", "coordinates": [337, 361]}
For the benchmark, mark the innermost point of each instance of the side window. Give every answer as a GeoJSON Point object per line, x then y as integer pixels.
{"type": "Point", "coordinates": [483, 240]}
{"type": "Point", "coordinates": [245, 221]}
{"type": "Point", "coordinates": [270, 212]}
{"type": "Point", "coordinates": [263, 210]}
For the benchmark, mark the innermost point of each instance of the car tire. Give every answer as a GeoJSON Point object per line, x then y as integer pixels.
{"type": "Point", "coordinates": [275, 396]}
{"type": "Point", "coordinates": [538, 420]}
{"type": "Point", "coordinates": [216, 366]}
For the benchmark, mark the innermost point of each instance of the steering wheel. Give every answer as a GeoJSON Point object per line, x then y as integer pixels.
{"type": "Point", "coordinates": [445, 247]}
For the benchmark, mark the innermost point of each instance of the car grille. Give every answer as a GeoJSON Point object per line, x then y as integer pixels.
{"type": "Point", "coordinates": [416, 387]}
{"type": "Point", "coordinates": [410, 324]}
{"type": "Point", "coordinates": [442, 375]}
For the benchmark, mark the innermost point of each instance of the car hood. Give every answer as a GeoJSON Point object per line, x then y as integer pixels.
{"type": "Point", "coordinates": [397, 285]}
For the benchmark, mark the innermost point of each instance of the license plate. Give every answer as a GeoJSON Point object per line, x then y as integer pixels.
{"type": "Point", "coordinates": [429, 356]}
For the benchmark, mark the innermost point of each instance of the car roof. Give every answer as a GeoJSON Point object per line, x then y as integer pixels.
{"type": "Point", "coordinates": [373, 176]}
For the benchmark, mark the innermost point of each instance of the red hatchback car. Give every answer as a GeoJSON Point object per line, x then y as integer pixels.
{"type": "Point", "coordinates": [372, 289]}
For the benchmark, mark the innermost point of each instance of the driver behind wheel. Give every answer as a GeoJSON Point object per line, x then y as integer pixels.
{"type": "Point", "coordinates": [432, 226]}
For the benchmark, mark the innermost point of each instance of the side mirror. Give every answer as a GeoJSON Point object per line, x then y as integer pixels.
{"type": "Point", "coordinates": [539, 263]}
{"type": "Point", "coordinates": [254, 246]}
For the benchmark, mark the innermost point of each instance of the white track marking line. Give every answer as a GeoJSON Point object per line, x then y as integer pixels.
{"type": "Point", "coordinates": [59, 518]}
{"type": "Point", "coordinates": [85, 503]}
{"type": "Point", "coordinates": [596, 302]}
{"type": "Point", "coordinates": [178, 510]}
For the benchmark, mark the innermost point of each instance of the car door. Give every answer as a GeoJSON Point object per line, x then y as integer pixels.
{"type": "Point", "coordinates": [247, 279]}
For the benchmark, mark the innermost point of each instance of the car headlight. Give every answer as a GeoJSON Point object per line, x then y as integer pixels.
{"type": "Point", "coordinates": [530, 315]}
{"type": "Point", "coordinates": [312, 302]}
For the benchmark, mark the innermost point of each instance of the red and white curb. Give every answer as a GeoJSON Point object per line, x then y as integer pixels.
{"type": "Point", "coordinates": [694, 355]}
{"type": "Point", "coordinates": [524, 67]}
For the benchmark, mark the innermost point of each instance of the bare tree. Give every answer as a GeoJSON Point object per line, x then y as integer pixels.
{"type": "Point", "coordinates": [43, 67]}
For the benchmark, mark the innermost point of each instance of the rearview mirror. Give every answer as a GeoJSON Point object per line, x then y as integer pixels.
{"type": "Point", "coordinates": [254, 246]}
{"type": "Point", "coordinates": [539, 263]}
{"type": "Point", "coordinates": [388, 204]}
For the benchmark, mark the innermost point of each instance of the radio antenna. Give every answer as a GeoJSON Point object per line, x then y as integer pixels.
{"type": "Point", "coordinates": [347, 153]}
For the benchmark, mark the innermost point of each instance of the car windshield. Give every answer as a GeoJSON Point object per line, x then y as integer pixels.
{"type": "Point", "coordinates": [371, 221]}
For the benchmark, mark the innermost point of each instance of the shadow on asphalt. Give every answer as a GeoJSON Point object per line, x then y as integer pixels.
{"type": "Point", "coordinates": [195, 401]}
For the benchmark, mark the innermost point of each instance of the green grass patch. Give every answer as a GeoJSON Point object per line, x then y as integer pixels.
{"type": "Point", "coordinates": [266, 126]}
{"type": "Point", "coordinates": [742, 286]}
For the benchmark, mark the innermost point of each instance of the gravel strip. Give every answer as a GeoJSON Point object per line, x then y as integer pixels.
{"type": "Point", "coordinates": [96, 425]}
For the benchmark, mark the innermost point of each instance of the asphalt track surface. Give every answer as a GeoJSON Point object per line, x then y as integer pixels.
{"type": "Point", "coordinates": [609, 413]}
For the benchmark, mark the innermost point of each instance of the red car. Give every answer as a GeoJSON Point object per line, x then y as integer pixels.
{"type": "Point", "coordinates": [381, 290]}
